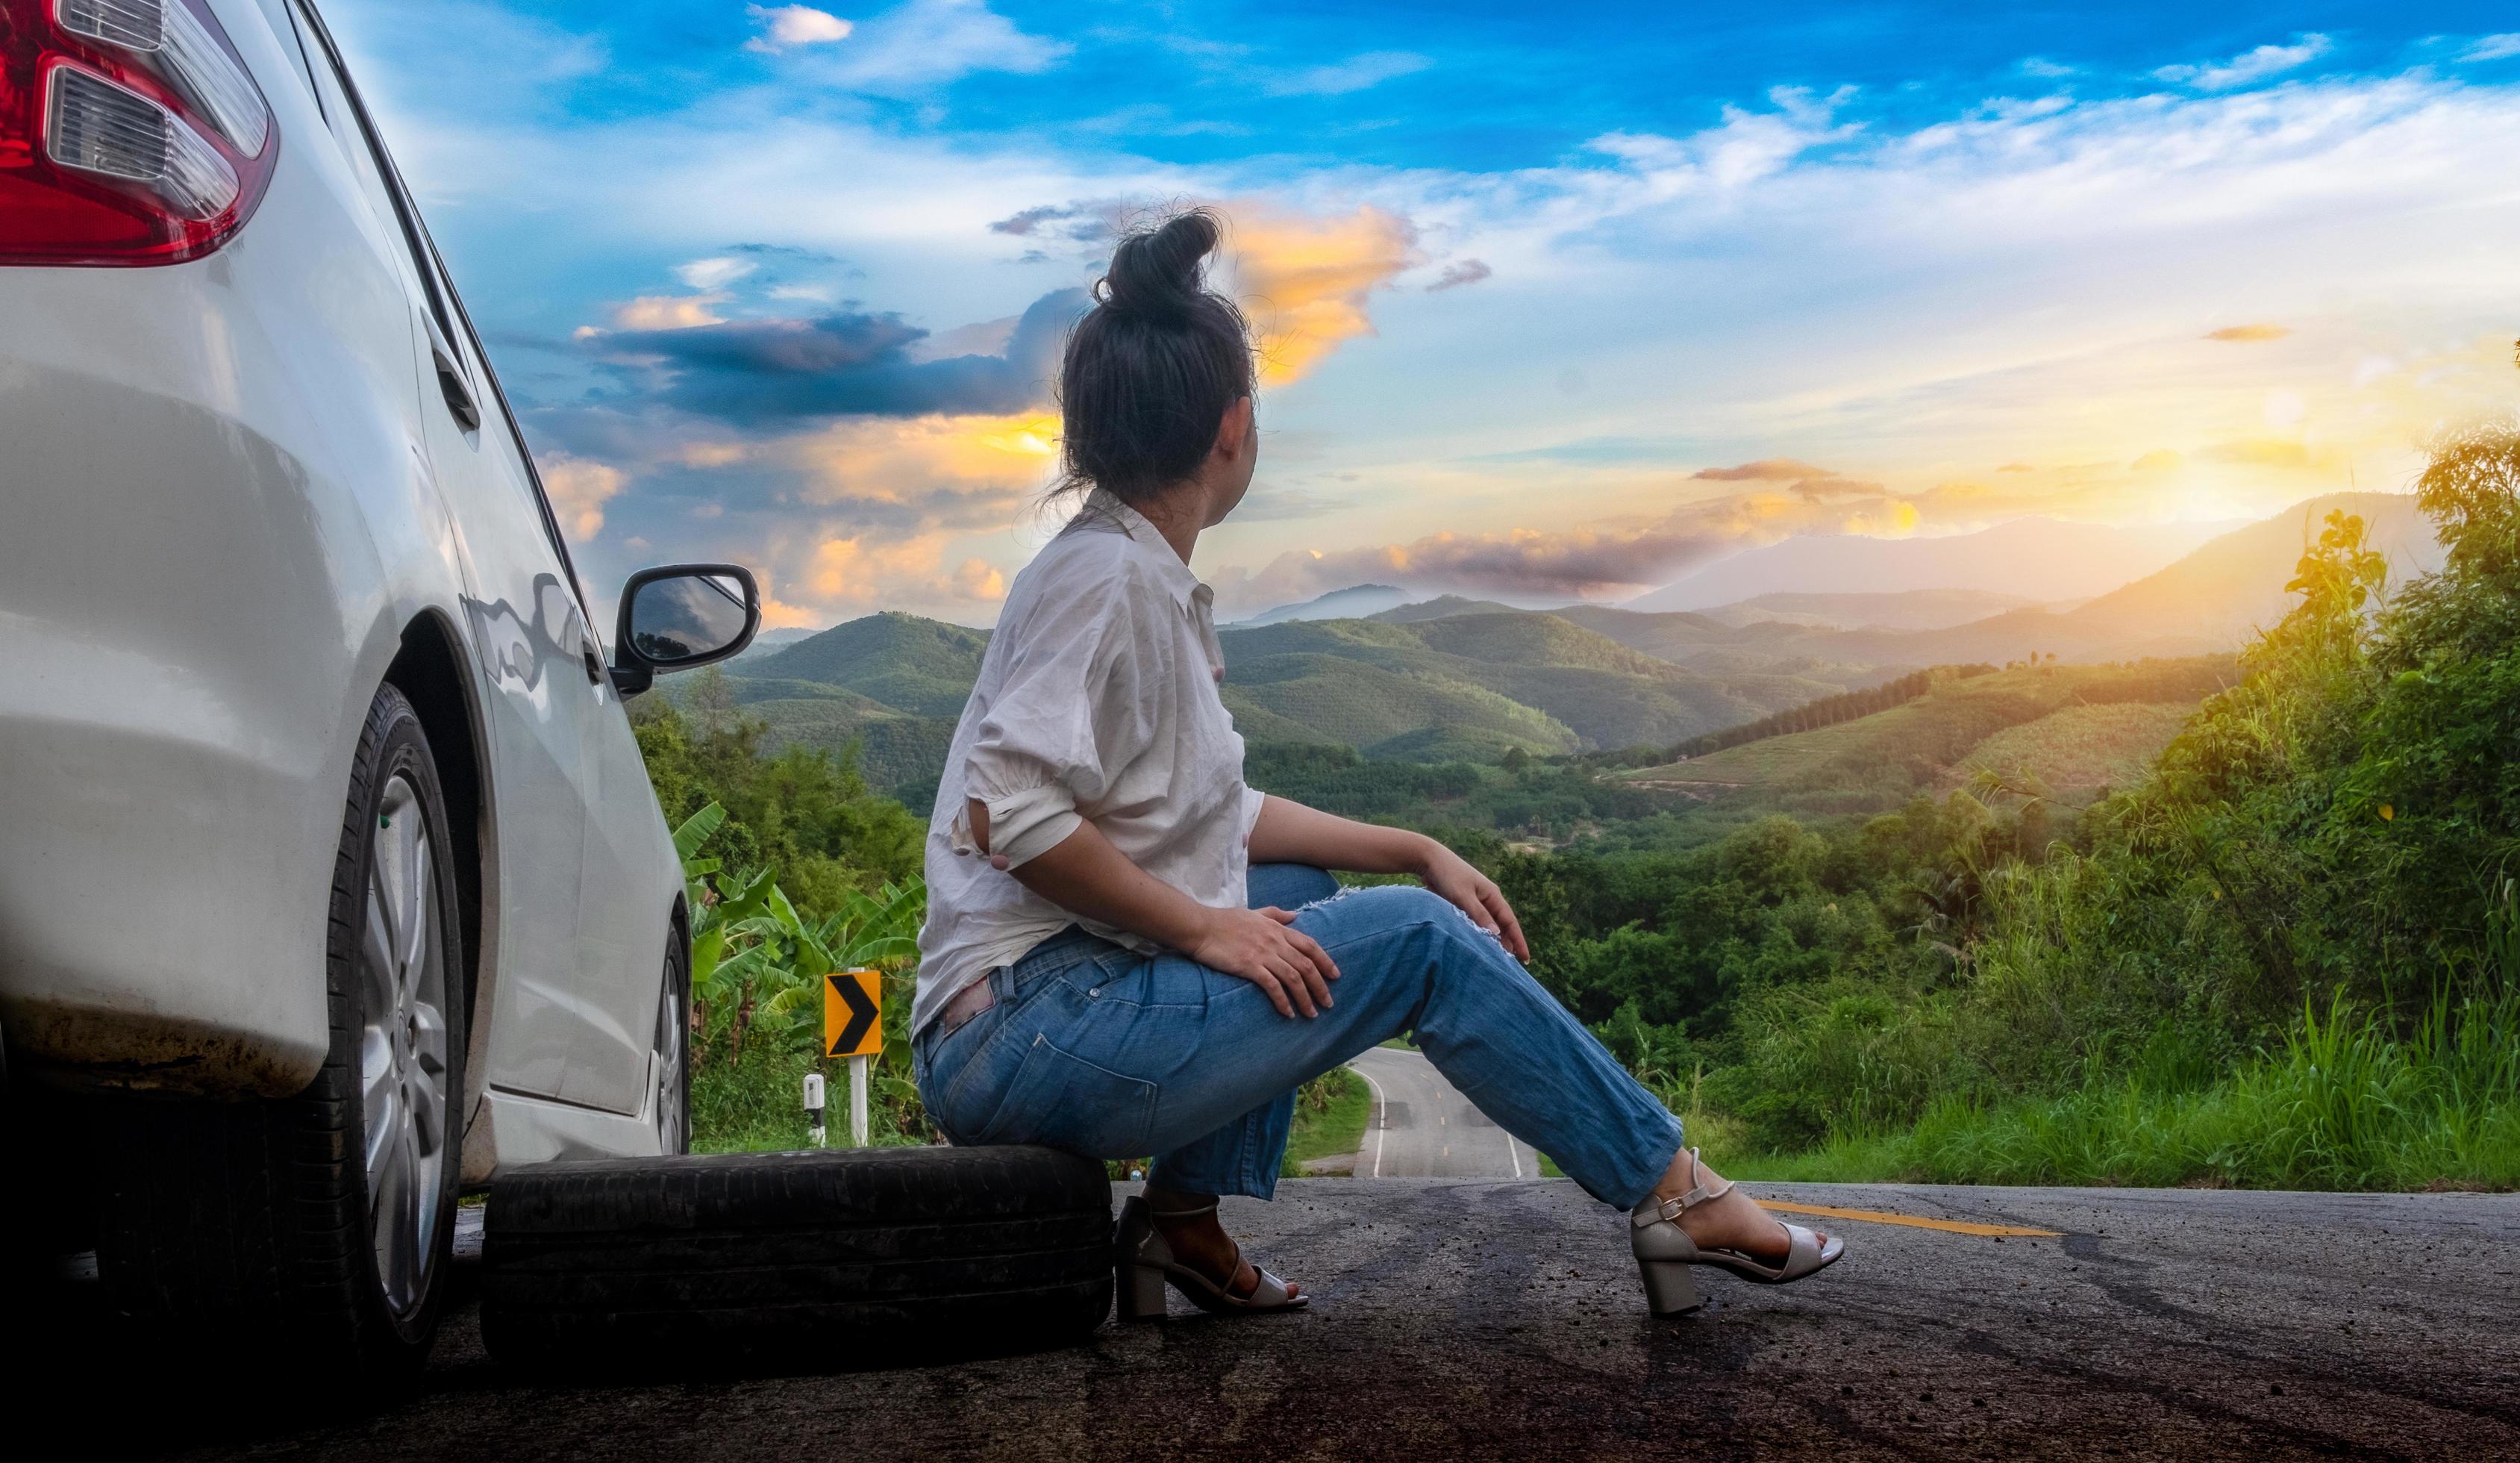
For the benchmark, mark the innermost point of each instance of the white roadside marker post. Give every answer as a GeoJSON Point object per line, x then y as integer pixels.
{"type": "Point", "coordinates": [814, 1105]}
{"type": "Point", "coordinates": [857, 1101]}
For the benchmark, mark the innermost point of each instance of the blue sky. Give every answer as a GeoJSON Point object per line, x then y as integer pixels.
{"type": "Point", "coordinates": [1558, 301]}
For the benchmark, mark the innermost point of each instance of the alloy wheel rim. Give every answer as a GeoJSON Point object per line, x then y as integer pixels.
{"type": "Point", "coordinates": [668, 1066]}
{"type": "Point", "coordinates": [403, 1047]}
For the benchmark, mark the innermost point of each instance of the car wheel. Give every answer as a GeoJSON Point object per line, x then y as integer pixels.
{"type": "Point", "coordinates": [670, 1060]}
{"type": "Point", "coordinates": [320, 1226]}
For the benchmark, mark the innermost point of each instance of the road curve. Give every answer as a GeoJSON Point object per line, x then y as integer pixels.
{"type": "Point", "coordinates": [1421, 1126]}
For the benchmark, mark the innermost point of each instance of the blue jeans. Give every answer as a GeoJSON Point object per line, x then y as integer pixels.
{"type": "Point", "coordinates": [1097, 1049]}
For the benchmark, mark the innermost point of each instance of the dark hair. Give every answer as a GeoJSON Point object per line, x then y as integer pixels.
{"type": "Point", "coordinates": [1150, 369]}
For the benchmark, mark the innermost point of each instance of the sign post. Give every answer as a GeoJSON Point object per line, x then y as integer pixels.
{"type": "Point", "coordinates": [853, 1027]}
{"type": "Point", "coordinates": [814, 1105]}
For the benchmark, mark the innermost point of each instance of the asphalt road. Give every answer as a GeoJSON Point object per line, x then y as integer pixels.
{"type": "Point", "coordinates": [1422, 1128]}
{"type": "Point", "coordinates": [1503, 1319]}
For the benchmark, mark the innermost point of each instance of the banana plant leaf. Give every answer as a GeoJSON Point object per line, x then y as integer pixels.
{"type": "Point", "coordinates": [698, 829]}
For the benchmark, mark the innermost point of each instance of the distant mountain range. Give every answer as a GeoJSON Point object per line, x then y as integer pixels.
{"type": "Point", "coordinates": [2033, 559]}
{"type": "Point", "coordinates": [1910, 610]}
{"type": "Point", "coordinates": [1455, 678]}
{"type": "Point", "coordinates": [1356, 602]}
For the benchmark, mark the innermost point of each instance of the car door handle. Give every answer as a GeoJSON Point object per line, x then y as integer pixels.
{"type": "Point", "coordinates": [459, 396]}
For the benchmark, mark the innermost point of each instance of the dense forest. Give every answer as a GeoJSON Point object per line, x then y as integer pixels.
{"type": "Point", "coordinates": [2284, 950]}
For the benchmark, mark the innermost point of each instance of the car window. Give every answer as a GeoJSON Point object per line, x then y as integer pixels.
{"type": "Point", "coordinates": [500, 439]}
{"type": "Point", "coordinates": [284, 28]}
{"type": "Point", "coordinates": [351, 122]}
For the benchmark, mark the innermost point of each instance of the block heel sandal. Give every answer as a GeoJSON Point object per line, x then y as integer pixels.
{"type": "Point", "coordinates": [1143, 1263]}
{"type": "Point", "coordinates": [1664, 1251]}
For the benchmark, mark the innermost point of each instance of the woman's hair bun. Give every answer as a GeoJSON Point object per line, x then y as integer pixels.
{"type": "Point", "coordinates": [1150, 371]}
{"type": "Point", "coordinates": [1157, 273]}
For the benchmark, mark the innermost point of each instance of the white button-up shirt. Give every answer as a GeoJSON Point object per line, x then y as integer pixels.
{"type": "Point", "coordinates": [1096, 701]}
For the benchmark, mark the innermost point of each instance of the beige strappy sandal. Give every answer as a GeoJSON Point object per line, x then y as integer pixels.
{"type": "Point", "coordinates": [1665, 1252]}
{"type": "Point", "coordinates": [1142, 1262]}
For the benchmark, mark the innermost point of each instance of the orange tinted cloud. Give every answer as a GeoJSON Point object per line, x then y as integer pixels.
{"type": "Point", "coordinates": [669, 312]}
{"type": "Point", "coordinates": [578, 491]}
{"type": "Point", "coordinates": [889, 499]}
{"type": "Point", "coordinates": [1305, 281]}
{"type": "Point", "coordinates": [2249, 333]}
{"type": "Point", "coordinates": [908, 460]}
{"type": "Point", "coordinates": [1764, 470]}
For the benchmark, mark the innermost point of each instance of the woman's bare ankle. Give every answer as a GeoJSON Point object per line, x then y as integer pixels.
{"type": "Point", "coordinates": [1166, 1204]}
{"type": "Point", "coordinates": [1734, 1222]}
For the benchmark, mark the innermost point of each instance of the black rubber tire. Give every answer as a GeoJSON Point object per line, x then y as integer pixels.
{"type": "Point", "coordinates": [242, 1228]}
{"type": "Point", "coordinates": [800, 1260]}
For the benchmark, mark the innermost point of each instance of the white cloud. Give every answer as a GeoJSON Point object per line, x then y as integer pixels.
{"type": "Point", "coordinates": [2006, 284]}
{"type": "Point", "coordinates": [2044, 69]}
{"type": "Point", "coordinates": [2493, 47]}
{"type": "Point", "coordinates": [786, 26]}
{"type": "Point", "coordinates": [713, 273]}
{"type": "Point", "coordinates": [2249, 66]}
{"type": "Point", "coordinates": [1356, 73]}
{"type": "Point", "coordinates": [925, 43]}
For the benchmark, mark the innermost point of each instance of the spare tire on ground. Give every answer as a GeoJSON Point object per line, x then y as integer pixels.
{"type": "Point", "coordinates": [820, 1260]}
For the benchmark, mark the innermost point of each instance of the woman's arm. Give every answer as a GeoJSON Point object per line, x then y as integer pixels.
{"type": "Point", "coordinates": [1288, 832]}
{"type": "Point", "coordinates": [1085, 874]}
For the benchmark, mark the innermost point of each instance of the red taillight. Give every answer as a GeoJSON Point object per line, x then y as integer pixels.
{"type": "Point", "coordinates": [130, 132]}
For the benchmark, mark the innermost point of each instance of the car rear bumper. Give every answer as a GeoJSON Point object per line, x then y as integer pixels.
{"type": "Point", "coordinates": [155, 929]}
{"type": "Point", "coordinates": [192, 620]}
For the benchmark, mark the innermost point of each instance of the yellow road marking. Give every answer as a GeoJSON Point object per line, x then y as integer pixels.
{"type": "Point", "coordinates": [1876, 1217]}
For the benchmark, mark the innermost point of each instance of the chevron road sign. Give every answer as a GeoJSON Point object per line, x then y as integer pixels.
{"type": "Point", "coordinates": [852, 1014]}
{"type": "Point", "coordinates": [853, 1027]}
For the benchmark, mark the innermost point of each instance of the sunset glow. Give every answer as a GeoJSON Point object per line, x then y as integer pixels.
{"type": "Point", "coordinates": [790, 289]}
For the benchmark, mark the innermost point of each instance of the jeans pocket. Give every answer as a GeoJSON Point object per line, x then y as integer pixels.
{"type": "Point", "coordinates": [1062, 1101]}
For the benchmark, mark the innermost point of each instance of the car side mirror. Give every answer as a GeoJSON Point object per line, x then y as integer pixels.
{"type": "Point", "coordinates": [680, 617]}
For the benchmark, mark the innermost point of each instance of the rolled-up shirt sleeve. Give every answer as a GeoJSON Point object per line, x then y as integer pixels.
{"type": "Point", "coordinates": [1252, 802]}
{"type": "Point", "coordinates": [1058, 726]}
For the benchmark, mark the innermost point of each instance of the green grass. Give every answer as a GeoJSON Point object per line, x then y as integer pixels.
{"type": "Point", "coordinates": [2344, 1105]}
{"type": "Point", "coordinates": [1330, 1120]}
{"type": "Point", "coordinates": [758, 1104]}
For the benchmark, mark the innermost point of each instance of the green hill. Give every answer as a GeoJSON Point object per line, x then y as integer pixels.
{"type": "Point", "coordinates": [1470, 686]}
{"type": "Point", "coordinates": [1604, 693]}
{"type": "Point", "coordinates": [2066, 726]}
{"type": "Point", "coordinates": [1441, 607]}
{"type": "Point", "coordinates": [922, 667]}
{"type": "Point", "coordinates": [2076, 751]}
{"type": "Point", "coordinates": [1364, 704]}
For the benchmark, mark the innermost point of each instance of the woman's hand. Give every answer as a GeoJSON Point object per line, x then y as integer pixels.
{"type": "Point", "coordinates": [1449, 874]}
{"type": "Point", "coordinates": [1262, 946]}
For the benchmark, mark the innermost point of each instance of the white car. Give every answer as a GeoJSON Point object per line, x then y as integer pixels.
{"type": "Point", "coordinates": [329, 873]}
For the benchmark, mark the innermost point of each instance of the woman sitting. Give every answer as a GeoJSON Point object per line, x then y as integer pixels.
{"type": "Point", "coordinates": [1128, 951]}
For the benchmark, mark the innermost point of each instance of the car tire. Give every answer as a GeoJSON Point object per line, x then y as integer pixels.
{"type": "Point", "coordinates": [799, 1260]}
{"type": "Point", "coordinates": [669, 1063]}
{"type": "Point", "coordinates": [249, 1226]}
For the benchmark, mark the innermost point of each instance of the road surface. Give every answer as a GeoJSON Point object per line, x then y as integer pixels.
{"type": "Point", "coordinates": [1421, 1126]}
{"type": "Point", "coordinates": [1502, 1320]}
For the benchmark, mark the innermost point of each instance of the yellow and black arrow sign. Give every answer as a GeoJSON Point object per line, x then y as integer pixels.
{"type": "Point", "coordinates": [853, 1014]}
